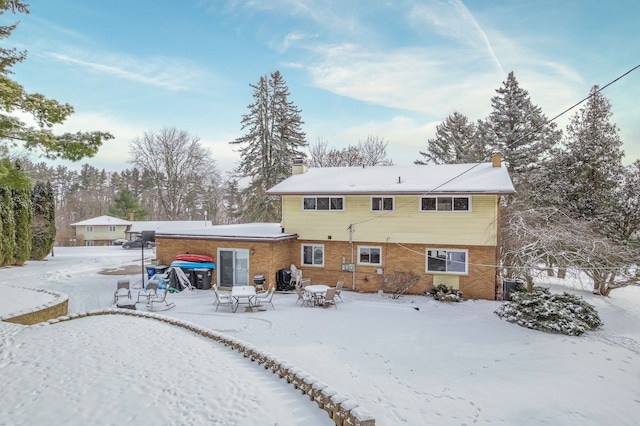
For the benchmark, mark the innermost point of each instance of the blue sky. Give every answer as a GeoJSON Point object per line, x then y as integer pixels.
{"type": "Point", "coordinates": [391, 69]}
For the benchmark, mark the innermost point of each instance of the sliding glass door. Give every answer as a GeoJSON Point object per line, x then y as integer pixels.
{"type": "Point", "coordinates": [233, 267]}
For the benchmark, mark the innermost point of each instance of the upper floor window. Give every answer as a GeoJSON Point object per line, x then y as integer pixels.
{"type": "Point", "coordinates": [313, 255]}
{"type": "Point", "coordinates": [445, 204]}
{"type": "Point", "coordinates": [112, 228]}
{"type": "Point", "coordinates": [89, 228]}
{"type": "Point", "coordinates": [381, 203]}
{"type": "Point", "coordinates": [369, 255]}
{"type": "Point", "coordinates": [447, 261]}
{"type": "Point", "coordinates": [323, 203]}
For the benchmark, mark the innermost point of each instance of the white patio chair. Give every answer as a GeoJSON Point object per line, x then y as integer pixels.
{"type": "Point", "coordinates": [330, 299]}
{"type": "Point", "coordinates": [339, 286]}
{"type": "Point", "coordinates": [266, 297]}
{"type": "Point", "coordinates": [159, 301]}
{"type": "Point", "coordinates": [147, 293]}
{"type": "Point", "coordinates": [303, 296]}
{"type": "Point", "coordinates": [222, 299]}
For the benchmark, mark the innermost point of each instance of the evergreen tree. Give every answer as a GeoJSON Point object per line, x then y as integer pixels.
{"type": "Point", "coordinates": [273, 138]}
{"type": "Point", "coordinates": [22, 213]}
{"type": "Point", "coordinates": [519, 130]}
{"type": "Point", "coordinates": [43, 226]}
{"type": "Point", "coordinates": [45, 112]}
{"type": "Point", "coordinates": [455, 142]}
{"type": "Point", "coordinates": [233, 202]}
{"type": "Point", "coordinates": [123, 204]}
{"type": "Point", "coordinates": [593, 159]}
{"type": "Point", "coordinates": [7, 227]}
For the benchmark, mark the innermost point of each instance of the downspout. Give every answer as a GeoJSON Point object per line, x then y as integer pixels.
{"type": "Point", "coordinates": [353, 264]}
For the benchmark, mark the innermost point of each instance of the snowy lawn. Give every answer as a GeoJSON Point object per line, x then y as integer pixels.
{"type": "Point", "coordinates": [410, 361]}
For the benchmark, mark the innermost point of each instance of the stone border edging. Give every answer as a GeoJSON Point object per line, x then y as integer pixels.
{"type": "Point", "coordinates": [59, 305]}
{"type": "Point", "coordinates": [343, 411]}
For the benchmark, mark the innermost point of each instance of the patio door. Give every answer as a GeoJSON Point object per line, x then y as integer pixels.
{"type": "Point", "coordinates": [233, 267]}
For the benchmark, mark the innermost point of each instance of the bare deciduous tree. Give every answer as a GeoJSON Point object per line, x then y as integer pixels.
{"type": "Point", "coordinates": [533, 238]}
{"type": "Point", "coordinates": [181, 169]}
{"type": "Point", "coordinates": [371, 152]}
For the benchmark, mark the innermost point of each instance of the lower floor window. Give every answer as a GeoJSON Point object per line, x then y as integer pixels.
{"type": "Point", "coordinates": [313, 254]}
{"type": "Point", "coordinates": [453, 261]}
{"type": "Point", "coordinates": [369, 255]}
{"type": "Point", "coordinates": [89, 243]}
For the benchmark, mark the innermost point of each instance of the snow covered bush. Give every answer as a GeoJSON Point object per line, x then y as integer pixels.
{"type": "Point", "coordinates": [445, 294]}
{"type": "Point", "coordinates": [557, 313]}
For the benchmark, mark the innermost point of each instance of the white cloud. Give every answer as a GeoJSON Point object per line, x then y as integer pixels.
{"type": "Point", "coordinates": [174, 74]}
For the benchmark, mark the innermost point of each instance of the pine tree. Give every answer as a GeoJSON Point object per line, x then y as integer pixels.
{"type": "Point", "coordinates": [519, 130]}
{"type": "Point", "coordinates": [593, 169]}
{"type": "Point", "coordinates": [455, 142]}
{"type": "Point", "coordinates": [43, 223]}
{"type": "Point", "coordinates": [273, 138]}
{"type": "Point", "coordinates": [45, 112]}
{"type": "Point", "coordinates": [22, 213]}
{"type": "Point", "coordinates": [123, 204]}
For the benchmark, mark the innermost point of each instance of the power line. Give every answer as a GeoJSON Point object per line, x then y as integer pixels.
{"type": "Point", "coordinates": [379, 215]}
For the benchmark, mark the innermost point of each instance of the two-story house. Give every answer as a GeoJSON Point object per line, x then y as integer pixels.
{"type": "Point", "coordinates": [358, 224]}
{"type": "Point", "coordinates": [100, 231]}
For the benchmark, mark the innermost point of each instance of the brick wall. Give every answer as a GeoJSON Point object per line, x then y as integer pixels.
{"type": "Point", "coordinates": [269, 257]}
{"type": "Point", "coordinates": [479, 283]}
{"type": "Point", "coordinates": [265, 257]}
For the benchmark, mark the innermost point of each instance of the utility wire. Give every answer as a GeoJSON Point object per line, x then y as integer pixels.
{"type": "Point", "coordinates": [351, 226]}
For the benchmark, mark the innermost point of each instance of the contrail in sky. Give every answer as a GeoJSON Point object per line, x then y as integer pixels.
{"type": "Point", "coordinates": [464, 12]}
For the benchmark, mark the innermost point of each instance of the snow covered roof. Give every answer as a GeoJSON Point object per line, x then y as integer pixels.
{"type": "Point", "coordinates": [102, 220]}
{"type": "Point", "coordinates": [235, 231]}
{"type": "Point", "coordinates": [167, 226]}
{"type": "Point", "coordinates": [446, 178]}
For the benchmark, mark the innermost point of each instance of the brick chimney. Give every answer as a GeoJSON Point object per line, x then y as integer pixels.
{"type": "Point", "coordinates": [131, 216]}
{"type": "Point", "coordinates": [299, 166]}
{"type": "Point", "coordinates": [496, 159]}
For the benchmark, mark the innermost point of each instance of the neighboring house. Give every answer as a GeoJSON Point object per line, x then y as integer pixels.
{"type": "Point", "coordinates": [100, 231]}
{"type": "Point", "coordinates": [360, 224]}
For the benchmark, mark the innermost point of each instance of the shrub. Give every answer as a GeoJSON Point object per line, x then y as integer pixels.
{"type": "Point", "coordinates": [398, 283]}
{"type": "Point", "coordinates": [557, 313]}
{"type": "Point", "coordinates": [446, 294]}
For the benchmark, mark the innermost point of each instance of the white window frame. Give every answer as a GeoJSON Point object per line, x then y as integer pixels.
{"type": "Point", "coordinates": [88, 228]}
{"type": "Point", "coordinates": [313, 248]}
{"type": "Point", "coordinates": [447, 260]}
{"type": "Point", "coordinates": [89, 243]}
{"type": "Point", "coordinates": [112, 228]}
{"type": "Point", "coordinates": [316, 197]}
{"type": "Point", "coordinates": [453, 197]}
{"type": "Point", "coordinates": [382, 199]}
{"type": "Point", "coordinates": [369, 248]}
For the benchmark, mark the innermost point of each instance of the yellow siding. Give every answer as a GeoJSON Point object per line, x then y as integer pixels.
{"type": "Point", "coordinates": [403, 225]}
{"type": "Point", "coordinates": [100, 232]}
{"type": "Point", "coordinates": [452, 281]}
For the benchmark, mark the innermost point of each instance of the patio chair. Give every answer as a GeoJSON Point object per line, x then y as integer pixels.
{"type": "Point", "coordinates": [159, 301]}
{"type": "Point", "coordinates": [339, 286]}
{"type": "Point", "coordinates": [225, 299]}
{"type": "Point", "coordinates": [122, 290]}
{"type": "Point", "coordinates": [151, 290]}
{"type": "Point", "coordinates": [304, 297]}
{"type": "Point", "coordinates": [266, 297]}
{"type": "Point", "coordinates": [330, 299]}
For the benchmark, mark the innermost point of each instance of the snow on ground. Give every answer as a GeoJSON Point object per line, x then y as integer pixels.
{"type": "Point", "coordinates": [411, 361]}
